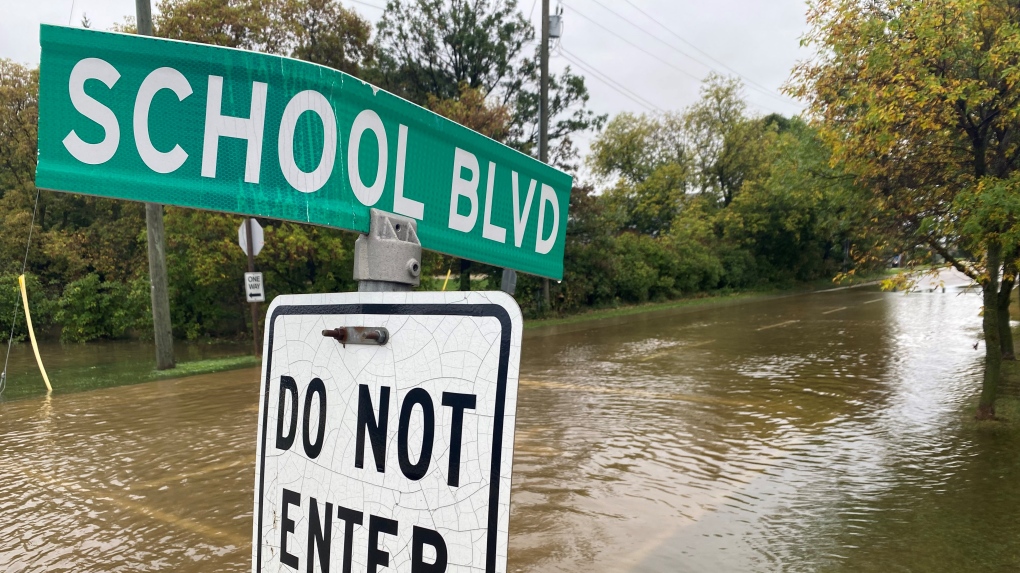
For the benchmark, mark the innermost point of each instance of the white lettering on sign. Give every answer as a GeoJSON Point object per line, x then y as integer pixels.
{"type": "Point", "coordinates": [545, 244]}
{"type": "Point", "coordinates": [311, 181]}
{"type": "Point", "coordinates": [402, 205]}
{"type": "Point", "coordinates": [490, 231]}
{"type": "Point", "coordinates": [396, 455]}
{"type": "Point", "coordinates": [159, 79]}
{"type": "Point", "coordinates": [368, 189]}
{"type": "Point", "coordinates": [464, 161]}
{"type": "Point", "coordinates": [367, 120]}
{"type": "Point", "coordinates": [93, 153]}
{"type": "Point", "coordinates": [250, 129]}
{"type": "Point", "coordinates": [521, 217]}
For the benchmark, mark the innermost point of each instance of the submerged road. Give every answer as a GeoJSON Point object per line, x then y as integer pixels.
{"type": "Point", "coordinates": [822, 432]}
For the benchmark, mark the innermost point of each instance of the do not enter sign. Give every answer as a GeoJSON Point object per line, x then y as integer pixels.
{"type": "Point", "coordinates": [388, 450]}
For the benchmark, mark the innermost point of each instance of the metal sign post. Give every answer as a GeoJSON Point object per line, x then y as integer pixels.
{"type": "Point", "coordinates": [388, 258]}
{"type": "Point", "coordinates": [252, 244]}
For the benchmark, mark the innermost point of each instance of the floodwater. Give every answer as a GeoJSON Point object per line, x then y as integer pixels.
{"type": "Point", "coordinates": [823, 432]}
{"type": "Point", "coordinates": [81, 365]}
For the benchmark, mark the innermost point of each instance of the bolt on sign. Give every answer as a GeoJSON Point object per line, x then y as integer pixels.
{"type": "Point", "coordinates": [148, 119]}
{"type": "Point", "coordinates": [386, 433]}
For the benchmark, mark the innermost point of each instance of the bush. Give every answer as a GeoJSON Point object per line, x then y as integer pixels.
{"type": "Point", "coordinates": [90, 309]}
{"type": "Point", "coordinates": [647, 268]}
{"type": "Point", "coordinates": [10, 299]}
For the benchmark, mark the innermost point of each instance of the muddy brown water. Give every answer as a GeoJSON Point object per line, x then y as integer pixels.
{"type": "Point", "coordinates": [824, 432]}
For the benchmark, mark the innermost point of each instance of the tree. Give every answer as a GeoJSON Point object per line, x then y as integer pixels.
{"type": "Point", "coordinates": [632, 147]}
{"type": "Point", "coordinates": [19, 113]}
{"type": "Point", "coordinates": [428, 48]}
{"type": "Point", "coordinates": [332, 36]}
{"type": "Point", "coordinates": [317, 31]}
{"type": "Point", "coordinates": [801, 218]}
{"type": "Point", "coordinates": [920, 100]}
{"type": "Point", "coordinates": [472, 110]}
{"type": "Point", "coordinates": [726, 144]}
{"type": "Point", "coordinates": [259, 25]}
{"type": "Point", "coordinates": [710, 149]}
{"type": "Point", "coordinates": [650, 158]}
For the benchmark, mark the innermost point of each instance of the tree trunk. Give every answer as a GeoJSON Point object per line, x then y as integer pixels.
{"type": "Point", "coordinates": [990, 324]}
{"type": "Point", "coordinates": [1005, 291]}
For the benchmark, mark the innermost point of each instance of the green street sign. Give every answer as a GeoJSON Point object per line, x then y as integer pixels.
{"type": "Point", "coordinates": [148, 119]}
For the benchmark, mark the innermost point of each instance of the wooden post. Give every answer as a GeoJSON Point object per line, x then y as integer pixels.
{"type": "Point", "coordinates": [543, 118]}
{"type": "Point", "coordinates": [156, 238]}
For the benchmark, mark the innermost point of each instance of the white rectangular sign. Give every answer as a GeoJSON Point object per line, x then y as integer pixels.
{"type": "Point", "coordinates": [392, 457]}
{"type": "Point", "coordinates": [254, 289]}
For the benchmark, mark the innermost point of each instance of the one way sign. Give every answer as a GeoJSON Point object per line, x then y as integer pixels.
{"type": "Point", "coordinates": [253, 288]}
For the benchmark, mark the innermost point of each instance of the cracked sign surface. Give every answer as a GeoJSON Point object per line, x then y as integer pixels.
{"type": "Point", "coordinates": [387, 458]}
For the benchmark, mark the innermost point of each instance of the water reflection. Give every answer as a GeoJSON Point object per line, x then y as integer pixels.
{"type": "Point", "coordinates": [153, 477]}
{"type": "Point", "coordinates": [823, 432]}
{"type": "Point", "coordinates": [761, 437]}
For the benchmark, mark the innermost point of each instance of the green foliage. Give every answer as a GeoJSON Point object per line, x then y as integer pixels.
{"type": "Point", "coordinates": [920, 101]}
{"type": "Point", "coordinates": [318, 31]}
{"type": "Point", "coordinates": [632, 146]}
{"type": "Point", "coordinates": [711, 197]}
{"type": "Point", "coordinates": [704, 198]}
{"type": "Point", "coordinates": [91, 308]}
{"type": "Point", "coordinates": [429, 48]}
{"type": "Point", "coordinates": [728, 147]}
{"type": "Point", "coordinates": [693, 238]}
{"type": "Point", "coordinates": [646, 270]}
{"type": "Point", "coordinates": [206, 268]}
{"type": "Point", "coordinates": [41, 306]}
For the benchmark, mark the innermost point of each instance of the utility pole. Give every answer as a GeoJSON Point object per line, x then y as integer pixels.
{"type": "Point", "coordinates": [255, 340]}
{"type": "Point", "coordinates": [543, 117]}
{"type": "Point", "coordinates": [156, 238]}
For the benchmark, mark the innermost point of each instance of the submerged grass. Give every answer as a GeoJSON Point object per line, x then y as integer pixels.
{"type": "Point", "coordinates": [1007, 406]}
{"type": "Point", "coordinates": [612, 312]}
{"type": "Point", "coordinates": [98, 377]}
{"type": "Point", "coordinates": [208, 366]}
{"type": "Point", "coordinates": [80, 379]}
{"type": "Point", "coordinates": [712, 298]}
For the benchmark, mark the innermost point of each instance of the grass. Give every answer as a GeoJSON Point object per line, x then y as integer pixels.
{"type": "Point", "coordinates": [1007, 404]}
{"type": "Point", "coordinates": [80, 380]}
{"type": "Point", "coordinates": [852, 280]}
{"type": "Point", "coordinates": [208, 366]}
{"type": "Point", "coordinates": [93, 377]}
{"type": "Point", "coordinates": [702, 299]}
{"type": "Point", "coordinates": [628, 310]}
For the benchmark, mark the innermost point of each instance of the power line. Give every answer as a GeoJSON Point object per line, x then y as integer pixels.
{"type": "Point", "coordinates": [14, 321]}
{"type": "Point", "coordinates": [609, 81]}
{"type": "Point", "coordinates": [650, 54]}
{"type": "Point", "coordinates": [370, 5]}
{"type": "Point", "coordinates": [699, 50]}
{"type": "Point", "coordinates": [639, 48]}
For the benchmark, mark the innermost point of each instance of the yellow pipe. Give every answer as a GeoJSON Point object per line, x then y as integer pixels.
{"type": "Point", "coordinates": [31, 334]}
{"type": "Point", "coordinates": [447, 278]}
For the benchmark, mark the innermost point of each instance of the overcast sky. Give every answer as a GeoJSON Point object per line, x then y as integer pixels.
{"type": "Point", "coordinates": [640, 55]}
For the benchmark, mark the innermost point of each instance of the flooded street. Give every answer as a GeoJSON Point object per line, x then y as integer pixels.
{"type": "Point", "coordinates": [823, 432]}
